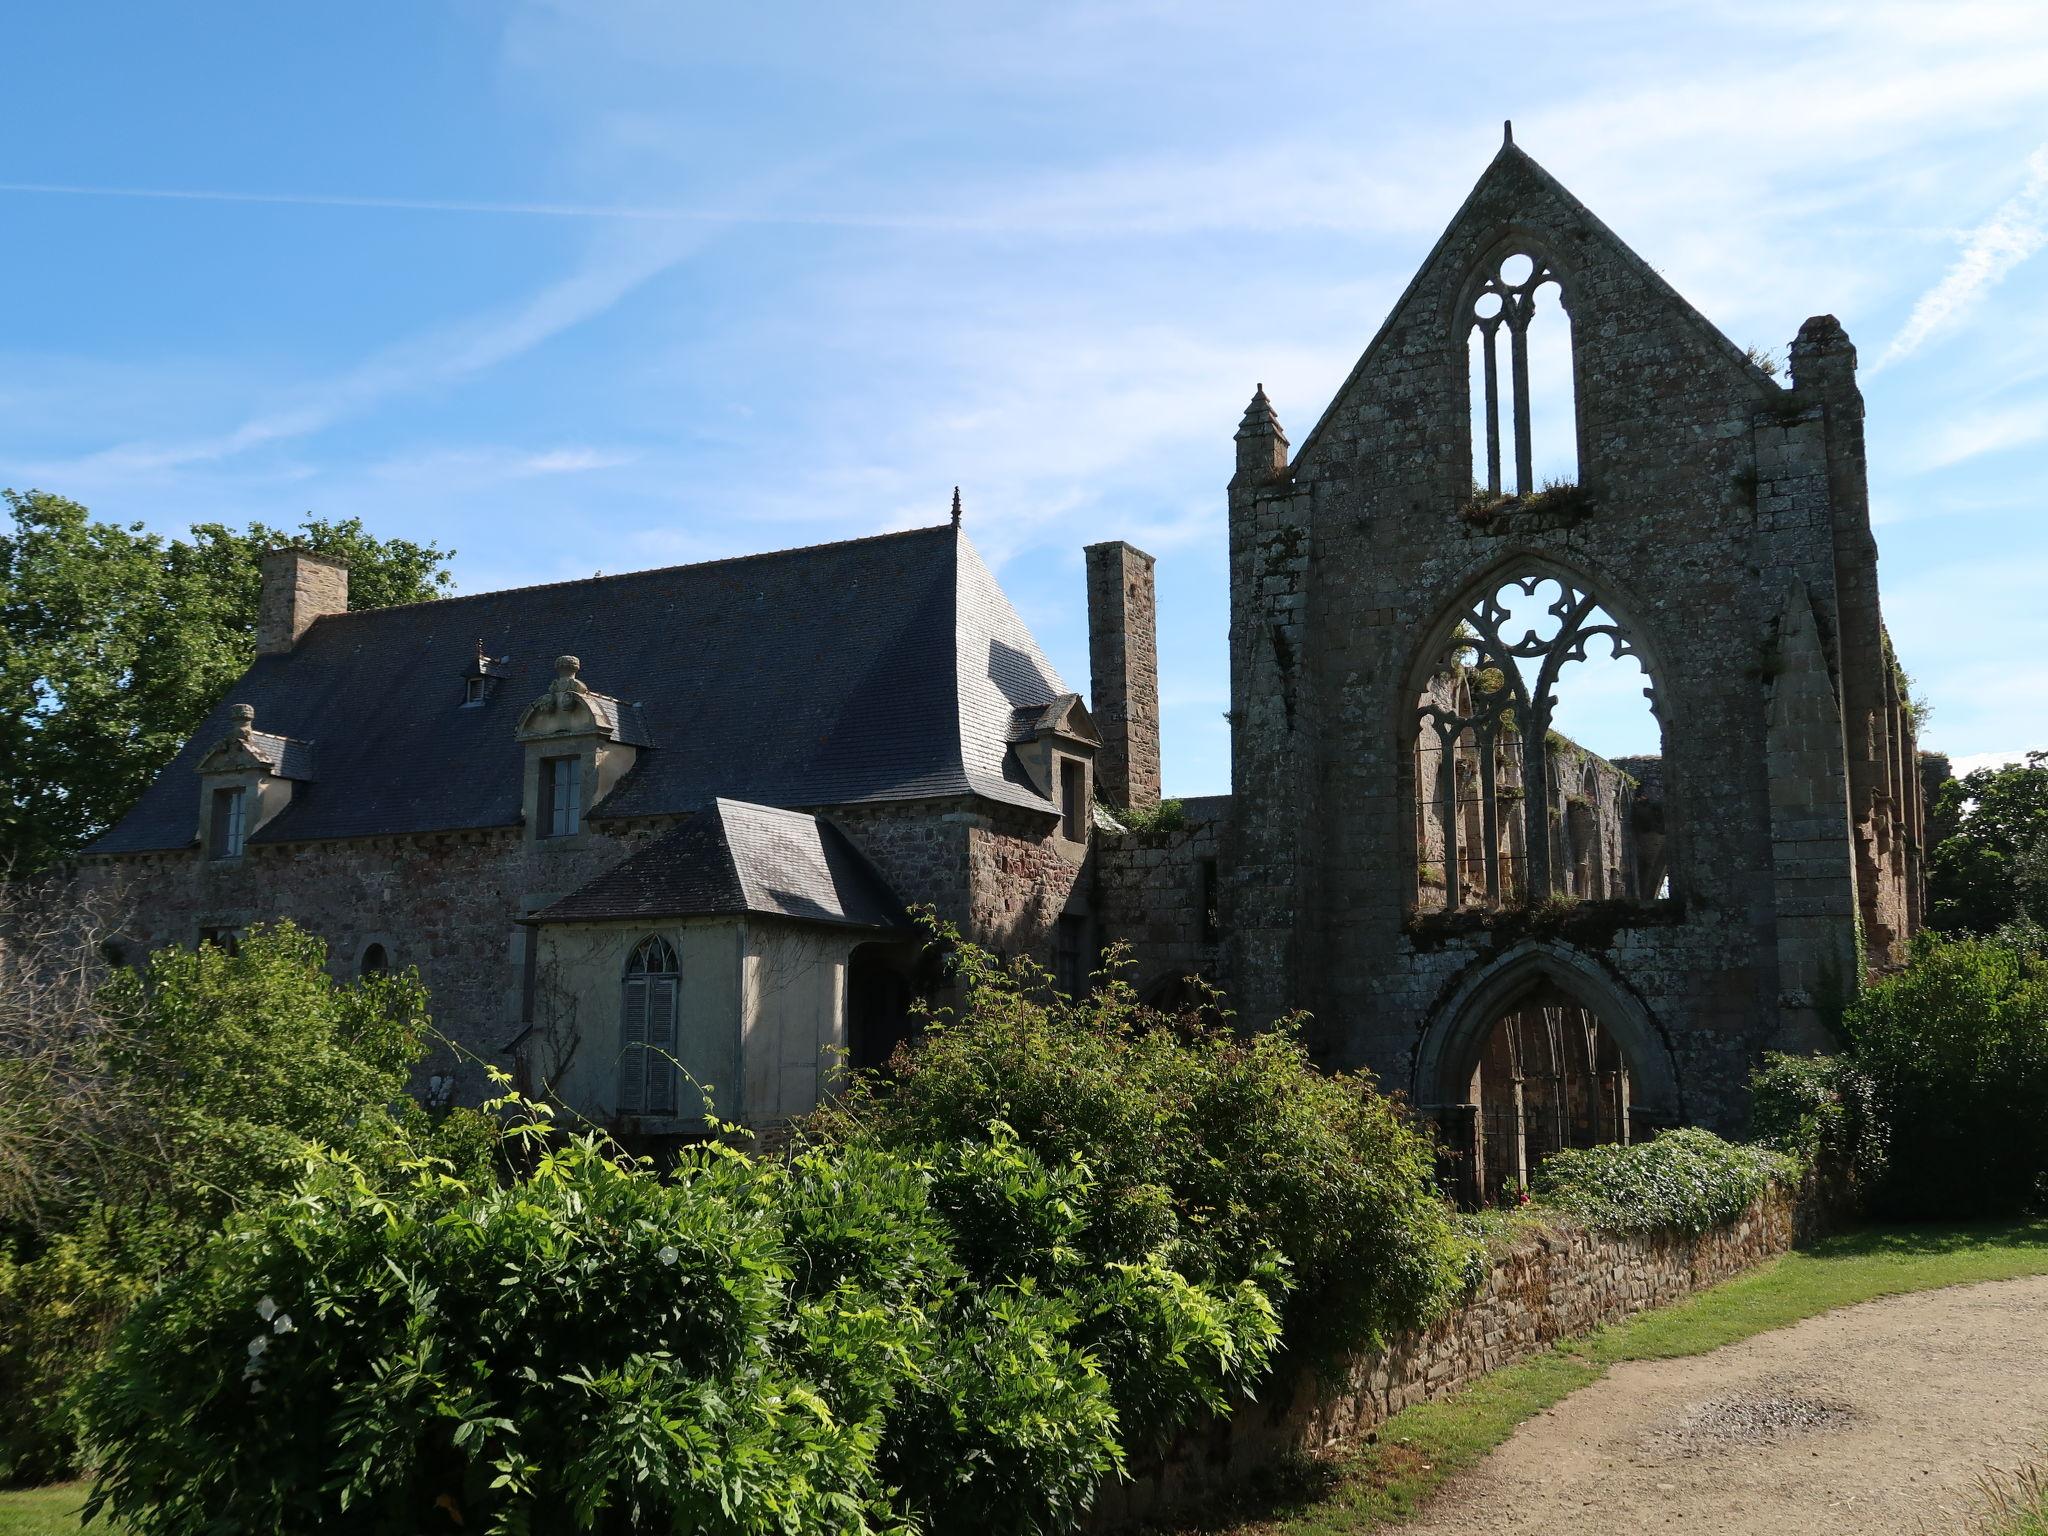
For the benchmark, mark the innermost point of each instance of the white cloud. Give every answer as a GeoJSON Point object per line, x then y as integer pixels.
{"type": "Point", "coordinates": [1972, 432]}
{"type": "Point", "coordinates": [2015, 232]}
{"type": "Point", "coordinates": [1970, 762]}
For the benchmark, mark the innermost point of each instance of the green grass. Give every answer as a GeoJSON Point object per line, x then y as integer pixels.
{"type": "Point", "coordinates": [1413, 1453]}
{"type": "Point", "coordinates": [42, 1511]}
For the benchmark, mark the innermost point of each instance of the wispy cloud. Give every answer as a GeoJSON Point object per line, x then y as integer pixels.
{"type": "Point", "coordinates": [2016, 231]}
{"type": "Point", "coordinates": [443, 355]}
{"type": "Point", "coordinates": [1972, 433]}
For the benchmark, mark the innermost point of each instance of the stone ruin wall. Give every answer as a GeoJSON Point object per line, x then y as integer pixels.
{"type": "Point", "coordinates": [1553, 1283]}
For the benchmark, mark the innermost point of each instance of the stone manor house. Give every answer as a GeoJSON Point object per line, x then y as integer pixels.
{"type": "Point", "coordinates": [686, 809]}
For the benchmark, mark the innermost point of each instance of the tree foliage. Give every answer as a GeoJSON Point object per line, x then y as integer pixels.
{"type": "Point", "coordinates": [1989, 871]}
{"type": "Point", "coordinates": [114, 643]}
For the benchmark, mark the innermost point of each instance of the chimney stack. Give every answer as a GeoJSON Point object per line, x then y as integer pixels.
{"type": "Point", "coordinates": [298, 587]}
{"type": "Point", "coordinates": [1123, 666]}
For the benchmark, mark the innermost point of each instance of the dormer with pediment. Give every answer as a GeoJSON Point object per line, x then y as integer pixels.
{"type": "Point", "coordinates": [1056, 743]}
{"type": "Point", "coordinates": [245, 780]}
{"type": "Point", "coordinates": [579, 743]}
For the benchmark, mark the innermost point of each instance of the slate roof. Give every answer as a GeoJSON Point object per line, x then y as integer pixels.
{"type": "Point", "coordinates": [734, 858]}
{"type": "Point", "coordinates": [288, 759]}
{"type": "Point", "coordinates": [884, 668]}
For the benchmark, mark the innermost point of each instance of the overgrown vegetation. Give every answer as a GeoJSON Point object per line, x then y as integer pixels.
{"type": "Point", "coordinates": [144, 1109]}
{"type": "Point", "coordinates": [1682, 1181]}
{"type": "Point", "coordinates": [1162, 816]}
{"type": "Point", "coordinates": [1231, 1157]}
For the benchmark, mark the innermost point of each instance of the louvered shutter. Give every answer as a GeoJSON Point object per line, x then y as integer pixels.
{"type": "Point", "coordinates": [633, 1064]}
{"type": "Point", "coordinates": [661, 1041]}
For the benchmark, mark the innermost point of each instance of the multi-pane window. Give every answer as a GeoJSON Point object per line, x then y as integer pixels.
{"type": "Point", "coordinates": [1073, 801]}
{"type": "Point", "coordinates": [228, 829]}
{"type": "Point", "coordinates": [647, 1030]}
{"type": "Point", "coordinates": [561, 796]}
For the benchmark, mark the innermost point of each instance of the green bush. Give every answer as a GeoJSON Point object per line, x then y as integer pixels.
{"type": "Point", "coordinates": [740, 1347]}
{"type": "Point", "coordinates": [210, 1079]}
{"type": "Point", "coordinates": [1230, 1159]}
{"type": "Point", "coordinates": [1682, 1181]}
{"type": "Point", "coordinates": [1823, 1110]}
{"type": "Point", "coordinates": [1956, 1047]}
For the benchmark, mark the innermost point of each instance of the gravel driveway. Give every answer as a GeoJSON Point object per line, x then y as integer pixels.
{"type": "Point", "coordinates": [1876, 1418]}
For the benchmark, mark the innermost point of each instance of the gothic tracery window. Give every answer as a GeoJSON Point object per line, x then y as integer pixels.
{"type": "Point", "coordinates": [1523, 404]}
{"type": "Point", "coordinates": [1509, 810]}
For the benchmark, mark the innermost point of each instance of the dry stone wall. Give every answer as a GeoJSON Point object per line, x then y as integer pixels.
{"type": "Point", "coordinates": [1553, 1283]}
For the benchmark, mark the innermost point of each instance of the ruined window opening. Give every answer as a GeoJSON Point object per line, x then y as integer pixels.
{"type": "Point", "coordinates": [1526, 404]}
{"type": "Point", "coordinates": [376, 961]}
{"type": "Point", "coordinates": [228, 822]}
{"type": "Point", "coordinates": [561, 789]}
{"type": "Point", "coordinates": [1209, 895]}
{"type": "Point", "coordinates": [227, 940]}
{"type": "Point", "coordinates": [647, 1030]}
{"type": "Point", "coordinates": [1510, 811]}
{"type": "Point", "coordinates": [1549, 1076]}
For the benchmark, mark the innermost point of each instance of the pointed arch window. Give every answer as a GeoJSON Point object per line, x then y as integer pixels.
{"type": "Point", "coordinates": [1532, 412]}
{"type": "Point", "coordinates": [647, 1029]}
{"type": "Point", "coordinates": [1508, 811]}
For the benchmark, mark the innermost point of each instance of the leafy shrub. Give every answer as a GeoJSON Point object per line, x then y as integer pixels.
{"type": "Point", "coordinates": [1229, 1159]}
{"type": "Point", "coordinates": [211, 1078]}
{"type": "Point", "coordinates": [1823, 1110]}
{"type": "Point", "coordinates": [1956, 1046]}
{"type": "Point", "coordinates": [741, 1347]}
{"type": "Point", "coordinates": [1682, 1181]}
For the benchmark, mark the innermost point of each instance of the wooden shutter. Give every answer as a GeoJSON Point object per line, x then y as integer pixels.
{"type": "Point", "coordinates": [661, 1041]}
{"type": "Point", "coordinates": [633, 1047]}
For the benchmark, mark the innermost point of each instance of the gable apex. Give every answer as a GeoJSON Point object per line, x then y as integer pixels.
{"type": "Point", "coordinates": [1516, 201]}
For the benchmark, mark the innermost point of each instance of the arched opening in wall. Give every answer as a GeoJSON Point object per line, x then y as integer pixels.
{"type": "Point", "coordinates": [1536, 735]}
{"type": "Point", "coordinates": [877, 1007]}
{"type": "Point", "coordinates": [1549, 1076]}
{"type": "Point", "coordinates": [1523, 393]}
{"type": "Point", "coordinates": [376, 961]}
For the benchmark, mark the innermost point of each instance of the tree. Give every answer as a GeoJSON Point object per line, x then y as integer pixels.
{"type": "Point", "coordinates": [2001, 819]}
{"type": "Point", "coordinates": [114, 643]}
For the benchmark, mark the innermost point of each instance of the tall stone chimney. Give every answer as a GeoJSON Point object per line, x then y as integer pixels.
{"type": "Point", "coordinates": [298, 587]}
{"type": "Point", "coordinates": [1123, 666]}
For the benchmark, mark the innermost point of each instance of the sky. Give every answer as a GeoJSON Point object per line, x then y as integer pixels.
{"type": "Point", "coordinates": [590, 286]}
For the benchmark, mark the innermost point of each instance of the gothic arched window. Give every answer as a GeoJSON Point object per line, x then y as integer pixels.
{"type": "Point", "coordinates": [1508, 810]}
{"type": "Point", "coordinates": [647, 1030]}
{"type": "Point", "coordinates": [1533, 411]}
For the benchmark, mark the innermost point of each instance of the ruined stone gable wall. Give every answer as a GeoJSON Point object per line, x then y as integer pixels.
{"type": "Point", "coordinates": [1701, 476]}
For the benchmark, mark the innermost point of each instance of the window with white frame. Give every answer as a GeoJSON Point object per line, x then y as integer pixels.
{"type": "Point", "coordinates": [229, 805]}
{"type": "Point", "coordinates": [561, 796]}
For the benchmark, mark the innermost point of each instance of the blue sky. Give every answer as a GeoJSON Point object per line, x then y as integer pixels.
{"type": "Point", "coordinates": [601, 286]}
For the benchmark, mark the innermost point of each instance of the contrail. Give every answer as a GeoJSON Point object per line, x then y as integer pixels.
{"type": "Point", "coordinates": [2016, 231]}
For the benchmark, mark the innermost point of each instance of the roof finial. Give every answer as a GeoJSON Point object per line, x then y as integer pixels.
{"type": "Point", "coordinates": [956, 506]}
{"type": "Point", "coordinates": [1507, 133]}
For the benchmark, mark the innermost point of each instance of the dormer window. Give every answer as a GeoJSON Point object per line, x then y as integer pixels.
{"type": "Point", "coordinates": [229, 822]}
{"type": "Point", "coordinates": [474, 691]}
{"type": "Point", "coordinates": [561, 796]}
{"type": "Point", "coordinates": [1073, 800]}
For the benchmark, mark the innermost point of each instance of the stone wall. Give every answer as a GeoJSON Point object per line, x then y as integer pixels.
{"type": "Point", "coordinates": [1123, 668]}
{"type": "Point", "coordinates": [1157, 891]}
{"type": "Point", "coordinates": [1554, 1283]}
{"type": "Point", "coordinates": [1715, 511]}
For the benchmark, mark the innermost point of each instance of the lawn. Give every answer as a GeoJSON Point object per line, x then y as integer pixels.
{"type": "Point", "coordinates": [1416, 1451]}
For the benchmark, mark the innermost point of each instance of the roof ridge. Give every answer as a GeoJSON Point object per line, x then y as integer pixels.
{"type": "Point", "coordinates": [654, 570]}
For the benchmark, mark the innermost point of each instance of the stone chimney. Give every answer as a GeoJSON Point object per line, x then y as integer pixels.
{"type": "Point", "coordinates": [1123, 665]}
{"type": "Point", "coordinates": [298, 587]}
